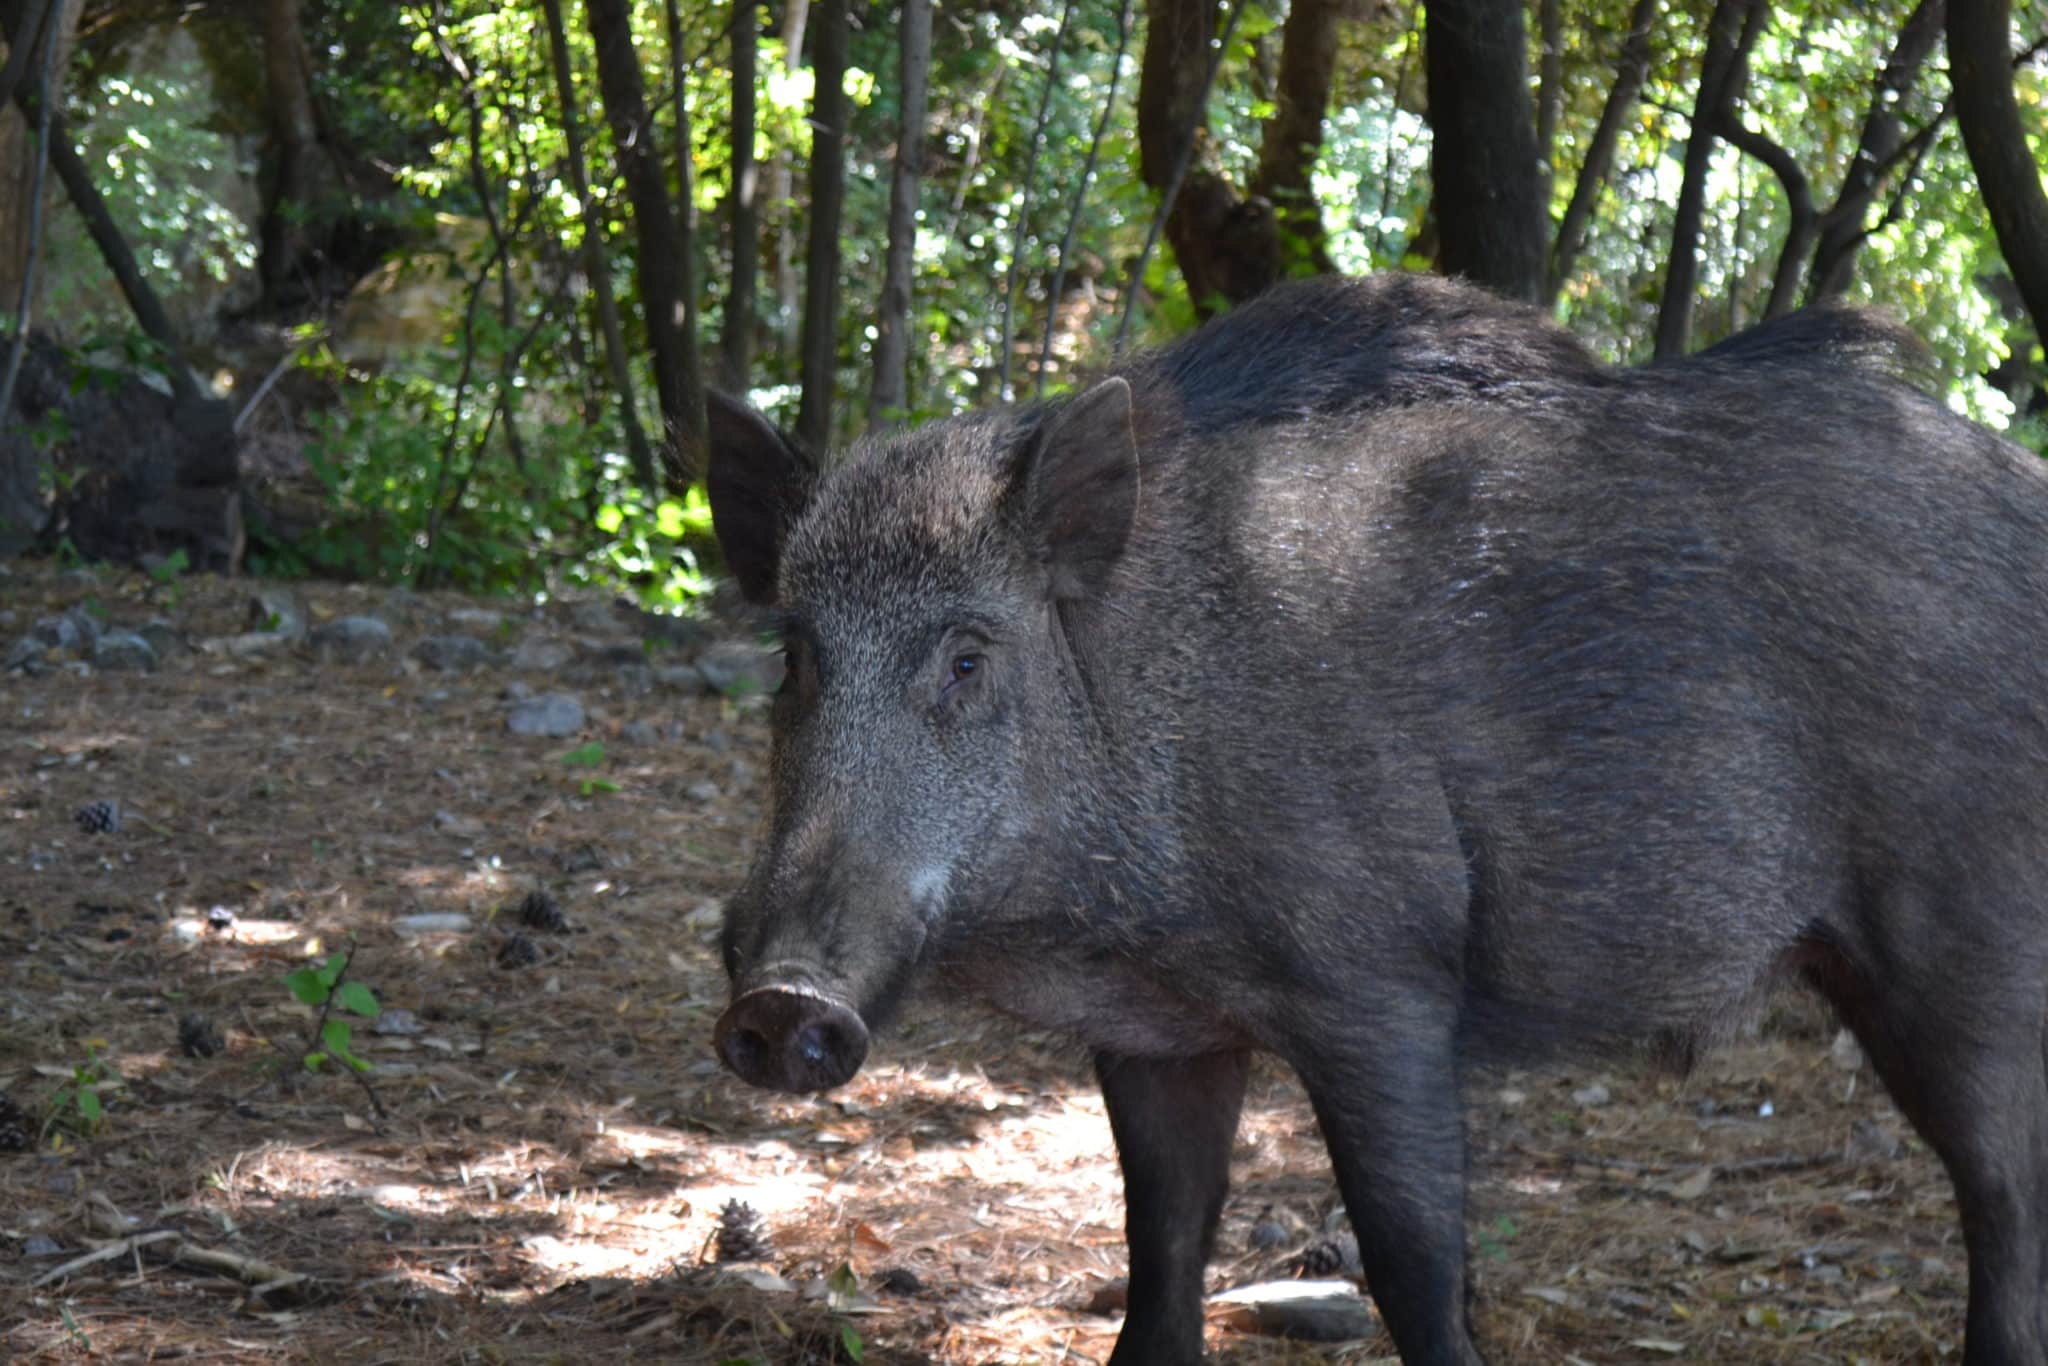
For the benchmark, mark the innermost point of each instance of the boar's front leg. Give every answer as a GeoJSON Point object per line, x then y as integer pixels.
{"type": "Point", "coordinates": [1384, 1083]}
{"type": "Point", "coordinates": [1173, 1119]}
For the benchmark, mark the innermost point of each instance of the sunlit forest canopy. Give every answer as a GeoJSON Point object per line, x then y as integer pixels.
{"type": "Point", "coordinates": [454, 277]}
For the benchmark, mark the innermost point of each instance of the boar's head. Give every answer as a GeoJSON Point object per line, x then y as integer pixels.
{"type": "Point", "coordinates": [931, 725]}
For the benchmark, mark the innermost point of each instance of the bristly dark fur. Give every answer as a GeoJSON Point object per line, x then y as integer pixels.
{"type": "Point", "coordinates": [1376, 679]}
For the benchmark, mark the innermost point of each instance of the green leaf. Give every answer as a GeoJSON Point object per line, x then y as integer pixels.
{"type": "Point", "coordinates": [850, 1343]}
{"type": "Point", "coordinates": [358, 999]}
{"type": "Point", "coordinates": [307, 986]}
{"type": "Point", "coordinates": [669, 519]}
{"type": "Point", "coordinates": [89, 1104]}
{"type": "Point", "coordinates": [313, 1061]}
{"type": "Point", "coordinates": [585, 756]}
{"type": "Point", "coordinates": [610, 518]}
{"type": "Point", "coordinates": [336, 1035]}
{"type": "Point", "coordinates": [330, 971]}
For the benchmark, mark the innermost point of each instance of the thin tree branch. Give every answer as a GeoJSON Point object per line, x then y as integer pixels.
{"type": "Point", "coordinates": [46, 41]}
{"type": "Point", "coordinates": [1059, 275]}
{"type": "Point", "coordinates": [1023, 223]}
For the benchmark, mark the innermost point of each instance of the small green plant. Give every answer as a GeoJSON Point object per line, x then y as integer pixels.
{"type": "Point", "coordinates": [77, 1105]}
{"type": "Point", "coordinates": [589, 756]}
{"type": "Point", "coordinates": [1493, 1241]}
{"type": "Point", "coordinates": [842, 1292]}
{"type": "Point", "coordinates": [327, 986]}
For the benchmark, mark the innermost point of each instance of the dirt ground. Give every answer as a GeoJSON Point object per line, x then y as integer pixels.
{"type": "Point", "coordinates": [556, 1144]}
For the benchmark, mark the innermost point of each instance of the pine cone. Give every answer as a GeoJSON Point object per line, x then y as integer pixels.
{"type": "Point", "coordinates": [518, 952]}
{"type": "Point", "coordinates": [540, 911]}
{"type": "Point", "coordinates": [99, 818]}
{"type": "Point", "coordinates": [1334, 1255]}
{"type": "Point", "coordinates": [17, 1134]}
{"type": "Point", "coordinates": [742, 1236]}
{"type": "Point", "coordinates": [197, 1038]}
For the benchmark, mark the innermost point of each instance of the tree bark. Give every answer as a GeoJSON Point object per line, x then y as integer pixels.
{"type": "Point", "coordinates": [1632, 70]}
{"type": "Point", "coordinates": [686, 244]}
{"type": "Point", "coordinates": [829, 113]}
{"type": "Point", "coordinates": [1292, 139]}
{"type": "Point", "coordinates": [743, 214]}
{"type": "Point", "coordinates": [1731, 32]}
{"type": "Point", "coordinates": [26, 18]}
{"type": "Point", "coordinates": [304, 200]}
{"type": "Point", "coordinates": [660, 263]}
{"type": "Point", "coordinates": [788, 282]}
{"type": "Point", "coordinates": [1483, 160]}
{"type": "Point", "coordinates": [889, 401]}
{"type": "Point", "coordinates": [1549, 92]}
{"type": "Point", "coordinates": [1980, 71]}
{"type": "Point", "coordinates": [596, 267]}
{"type": "Point", "coordinates": [1843, 226]}
{"type": "Point", "coordinates": [1804, 220]}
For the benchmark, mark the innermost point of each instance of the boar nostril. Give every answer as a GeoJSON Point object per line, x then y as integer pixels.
{"type": "Point", "coordinates": [791, 1040]}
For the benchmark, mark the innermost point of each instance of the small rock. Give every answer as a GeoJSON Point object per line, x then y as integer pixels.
{"type": "Point", "coordinates": [397, 1021]}
{"type": "Point", "coordinates": [477, 620]}
{"type": "Point", "coordinates": [1591, 1097]}
{"type": "Point", "coordinates": [1845, 1052]}
{"type": "Point", "coordinates": [252, 643]}
{"type": "Point", "coordinates": [401, 607]}
{"type": "Point", "coordinates": [432, 922]}
{"type": "Point", "coordinates": [639, 733]}
{"type": "Point", "coordinates": [41, 1245]}
{"type": "Point", "coordinates": [596, 657]}
{"type": "Point", "coordinates": [738, 669]}
{"type": "Point", "coordinates": [515, 691]}
{"type": "Point", "coordinates": [164, 638]}
{"type": "Point", "coordinates": [27, 655]}
{"type": "Point", "coordinates": [123, 652]}
{"type": "Point", "coordinates": [75, 631]}
{"type": "Point", "coordinates": [717, 741]}
{"type": "Point", "coordinates": [276, 610]}
{"type": "Point", "coordinates": [1305, 1311]}
{"type": "Point", "coordinates": [704, 791]}
{"type": "Point", "coordinates": [899, 1280]}
{"type": "Point", "coordinates": [1266, 1235]}
{"type": "Point", "coordinates": [600, 617]}
{"type": "Point", "coordinates": [1512, 1098]}
{"type": "Point", "coordinates": [462, 827]}
{"type": "Point", "coordinates": [352, 638]}
{"type": "Point", "coordinates": [540, 655]}
{"type": "Point", "coordinates": [682, 678]}
{"type": "Point", "coordinates": [220, 918]}
{"type": "Point", "coordinates": [452, 654]}
{"type": "Point", "coordinates": [554, 715]}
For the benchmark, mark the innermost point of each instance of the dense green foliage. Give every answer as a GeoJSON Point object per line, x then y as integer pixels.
{"type": "Point", "coordinates": [491, 455]}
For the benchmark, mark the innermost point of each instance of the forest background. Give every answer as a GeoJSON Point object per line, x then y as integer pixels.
{"type": "Point", "coordinates": [432, 292]}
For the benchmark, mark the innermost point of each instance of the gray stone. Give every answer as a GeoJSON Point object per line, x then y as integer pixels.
{"type": "Point", "coordinates": [541, 655]}
{"type": "Point", "coordinates": [639, 733]}
{"type": "Point", "coordinates": [702, 791]}
{"type": "Point", "coordinates": [452, 654]}
{"type": "Point", "coordinates": [601, 617]}
{"type": "Point", "coordinates": [163, 637]}
{"type": "Point", "coordinates": [477, 620]}
{"type": "Point", "coordinates": [277, 610]}
{"type": "Point", "coordinates": [28, 655]}
{"type": "Point", "coordinates": [123, 651]}
{"type": "Point", "coordinates": [401, 607]}
{"type": "Point", "coordinates": [352, 638]}
{"type": "Point", "coordinates": [516, 691]}
{"type": "Point", "coordinates": [683, 678]}
{"type": "Point", "coordinates": [740, 669]}
{"type": "Point", "coordinates": [552, 714]}
{"type": "Point", "coordinates": [667, 628]}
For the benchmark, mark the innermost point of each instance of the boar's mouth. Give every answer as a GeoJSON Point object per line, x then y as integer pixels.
{"type": "Point", "coordinates": [790, 1037]}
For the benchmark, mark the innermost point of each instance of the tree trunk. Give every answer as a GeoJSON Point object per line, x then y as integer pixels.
{"type": "Point", "coordinates": [1803, 221]}
{"type": "Point", "coordinates": [304, 198]}
{"type": "Point", "coordinates": [1629, 75]}
{"type": "Point", "coordinates": [1483, 161]}
{"type": "Point", "coordinates": [1730, 34]}
{"type": "Point", "coordinates": [1292, 139]}
{"type": "Point", "coordinates": [1549, 93]}
{"type": "Point", "coordinates": [596, 268]}
{"type": "Point", "coordinates": [736, 347]}
{"type": "Point", "coordinates": [686, 242]}
{"type": "Point", "coordinates": [889, 402]}
{"type": "Point", "coordinates": [660, 264]}
{"type": "Point", "coordinates": [17, 134]}
{"type": "Point", "coordinates": [788, 282]}
{"type": "Point", "coordinates": [1980, 70]}
{"type": "Point", "coordinates": [829, 112]}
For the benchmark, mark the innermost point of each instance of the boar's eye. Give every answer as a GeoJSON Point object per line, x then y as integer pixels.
{"type": "Point", "coordinates": [966, 665]}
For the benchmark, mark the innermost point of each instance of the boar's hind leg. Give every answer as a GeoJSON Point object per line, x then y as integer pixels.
{"type": "Point", "coordinates": [1173, 1119]}
{"type": "Point", "coordinates": [1385, 1091]}
{"type": "Point", "coordinates": [1959, 1043]}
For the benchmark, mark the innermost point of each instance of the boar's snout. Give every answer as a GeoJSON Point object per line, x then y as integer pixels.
{"type": "Point", "coordinates": [791, 1039]}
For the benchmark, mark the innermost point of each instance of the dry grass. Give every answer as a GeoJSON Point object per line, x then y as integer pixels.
{"type": "Point", "coordinates": [558, 1143]}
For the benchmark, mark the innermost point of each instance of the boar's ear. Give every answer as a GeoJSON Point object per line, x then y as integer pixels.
{"type": "Point", "coordinates": [759, 480]}
{"type": "Point", "coordinates": [1078, 485]}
